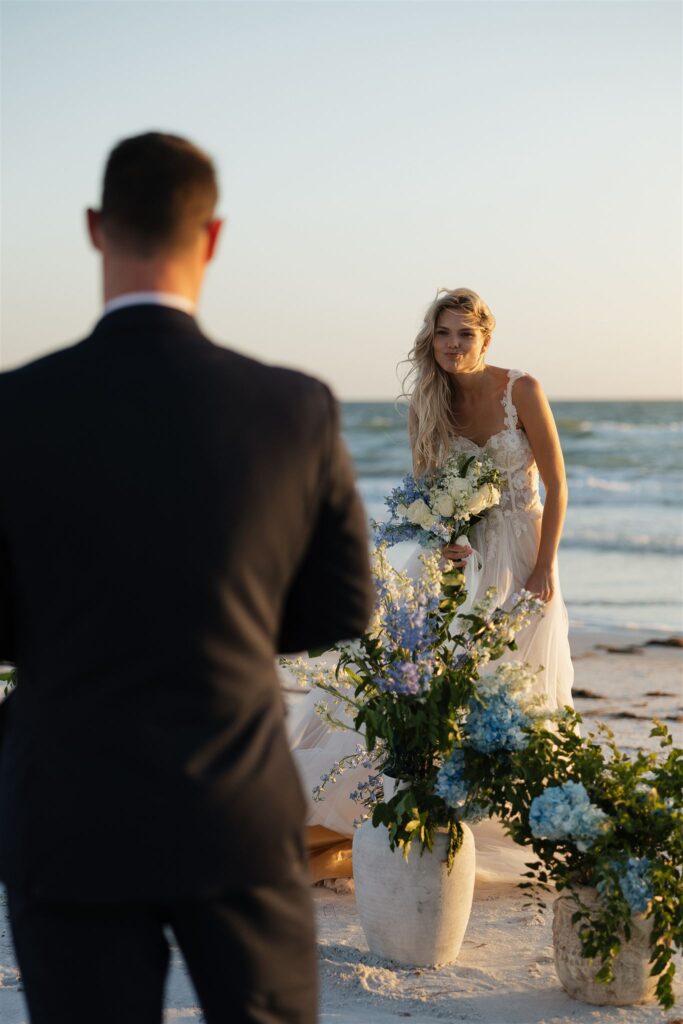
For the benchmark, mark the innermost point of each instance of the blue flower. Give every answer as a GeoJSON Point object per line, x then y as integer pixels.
{"type": "Point", "coordinates": [450, 781]}
{"type": "Point", "coordinates": [407, 621]}
{"type": "Point", "coordinates": [499, 725]}
{"type": "Point", "coordinates": [635, 884]}
{"type": "Point", "coordinates": [509, 707]}
{"type": "Point", "coordinates": [406, 678]}
{"type": "Point", "coordinates": [565, 812]}
{"type": "Point", "coordinates": [452, 787]}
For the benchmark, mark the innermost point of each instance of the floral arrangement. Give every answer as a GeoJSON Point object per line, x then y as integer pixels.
{"type": "Point", "coordinates": [440, 508]}
{"type": "Point", "coordinates": [411, 687]}
{"type": "Point", "coordinates": [593, 817]}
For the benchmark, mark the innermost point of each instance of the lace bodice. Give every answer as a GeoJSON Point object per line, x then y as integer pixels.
{"type": "Point", "coordinates": [511, 452]}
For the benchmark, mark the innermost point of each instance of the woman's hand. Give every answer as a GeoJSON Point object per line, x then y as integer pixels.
{"type": "Point", "coordinates": [542, 583]}
{"type": "Point", "coordinates": [458, 553]}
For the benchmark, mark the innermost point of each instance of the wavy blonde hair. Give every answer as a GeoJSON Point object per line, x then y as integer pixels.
{"type": "Point", "coordinates": [431, 391]}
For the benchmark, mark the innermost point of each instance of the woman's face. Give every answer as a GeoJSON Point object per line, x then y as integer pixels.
{"type": "Point", "coordinates": [458, 348]}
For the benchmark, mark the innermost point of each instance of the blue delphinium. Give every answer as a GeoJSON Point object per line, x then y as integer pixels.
{"type": "Point", "coordinates": [406, 678]}
{"type": "Point", "coordinates": [407, 627]}
{"type": "Point", "coordinates": [397, 529]}
{"type": "Point", "coordinates": [566, 812]}
{"type": "Point", "coordinates": [635, 883]}
{"type": "Point", "coordinates": [406, 607]}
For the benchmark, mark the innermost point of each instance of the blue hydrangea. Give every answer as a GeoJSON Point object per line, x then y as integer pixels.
{"type": "Point", "coordinates": [566, 812]}
{"type": "Point", "coordinates": [635, 883]}
{"type": "Point", "coordinates": [499, 725]}
{"type": "Point", "coordinates": [452, 787]}
{"type": "Point", "coordinates": [450, 781]}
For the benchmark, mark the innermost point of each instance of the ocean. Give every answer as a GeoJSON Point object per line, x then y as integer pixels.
{"type": "Point", "coordinates": [621, 555]}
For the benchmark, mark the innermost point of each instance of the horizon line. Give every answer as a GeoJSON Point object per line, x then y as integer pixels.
{"type": "Point", "coordinates": [620, 398]}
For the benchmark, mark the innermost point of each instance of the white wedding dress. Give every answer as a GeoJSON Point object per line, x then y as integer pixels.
{"type": "Point", "coordinates": [507, 542]}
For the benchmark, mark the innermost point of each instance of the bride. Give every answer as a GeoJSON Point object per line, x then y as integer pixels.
{"type": "Point", "coordinates": [460, 403]}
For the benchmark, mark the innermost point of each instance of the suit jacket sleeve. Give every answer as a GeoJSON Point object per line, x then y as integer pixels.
{"type": "Point", "coordinates": [7, 652]}
{"type": "Point", "coordinates": [332, 594]}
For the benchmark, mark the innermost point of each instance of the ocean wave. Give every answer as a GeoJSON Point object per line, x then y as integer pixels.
{"type": "Point", "coordinates": [665, 627]}
{"type": "Point", "coordinates": [628, 603]}
{"type": "Point", "coordinates": [571, 426]}
{"type": "Point", "coordinates": [600, 484]}
{"type": "Point", "coordinates": [583, 428]}
{"type": "Point", "coordinates": [380, 423]}
{"type": "Point", "coordinates": [586, 488]}
{"type": "Point", "coordinates": [640, 544]}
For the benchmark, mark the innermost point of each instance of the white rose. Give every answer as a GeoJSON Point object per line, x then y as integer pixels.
{"type": "Point", "coordinates": [443, 504]}
{"type": "Point", "coordinates": [417, 512]}
{"type": "Point", "coordinates": [482, 498]}
{"type": "Point", "coordinates": [428, 522]}
{"type": "Point", "coordinates": [458, 486]}
{"type": "Point", "coordinates": [402, 510]}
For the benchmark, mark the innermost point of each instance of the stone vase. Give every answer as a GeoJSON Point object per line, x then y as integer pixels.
{"type": "Point", "coordinates": [412, 911]}
{"type": "Point", "coordinates": [391, 786]}
{"type": "Point", "coordinates": [632, 983]}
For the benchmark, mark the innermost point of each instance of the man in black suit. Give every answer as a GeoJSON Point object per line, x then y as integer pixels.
{"type": "Point", "coordinates": [172, 515]}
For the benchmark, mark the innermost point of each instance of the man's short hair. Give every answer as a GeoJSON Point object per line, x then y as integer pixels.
{"type": "Point", "coordinates": [159, 191]}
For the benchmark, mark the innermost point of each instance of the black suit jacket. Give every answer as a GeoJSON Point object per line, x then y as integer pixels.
{"type": "Point", "coordinates": [172, 515]}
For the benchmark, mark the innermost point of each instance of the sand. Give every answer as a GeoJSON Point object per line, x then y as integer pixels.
{"type": "Point", "coordinates": [505, 972]}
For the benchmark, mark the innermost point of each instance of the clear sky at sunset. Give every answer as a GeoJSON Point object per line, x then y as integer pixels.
{"type": "Point", "coordinates": [369, 153]}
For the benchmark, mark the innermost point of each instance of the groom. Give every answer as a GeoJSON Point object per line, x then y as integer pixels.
{"type": "Point", "coordinates": [172, 515]}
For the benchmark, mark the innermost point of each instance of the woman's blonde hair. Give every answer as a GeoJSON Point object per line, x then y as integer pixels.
{"type": "Point", "coordinates": [432, 392]}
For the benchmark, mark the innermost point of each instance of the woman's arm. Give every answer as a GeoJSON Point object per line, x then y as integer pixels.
{"type": "Point", "coordinates": [537, 419]}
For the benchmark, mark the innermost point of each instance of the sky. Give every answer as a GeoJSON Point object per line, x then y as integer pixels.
{"type": "Point", "coordinates": [369, 153]}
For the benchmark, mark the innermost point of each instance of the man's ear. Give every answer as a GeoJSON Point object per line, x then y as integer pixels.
{"type": "Point", "coordinates": [213, 230]}
{"type": "Point", "coordinates": [94, 225]}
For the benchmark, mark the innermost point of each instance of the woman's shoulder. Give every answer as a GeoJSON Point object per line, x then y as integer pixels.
{"type": "Point", "coordinates": [519, 380]}
{"type": "Point", "coordinates": [526, 394]}
{"type": "Point", "coordinates": [521, 388]}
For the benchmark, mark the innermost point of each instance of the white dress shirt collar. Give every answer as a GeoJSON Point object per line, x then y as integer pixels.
{"type": "Point", "coordinates": [180, 302]}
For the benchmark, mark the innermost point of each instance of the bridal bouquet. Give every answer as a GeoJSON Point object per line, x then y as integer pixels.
{"type": "Point", "coordinates": [441, 508]}
{"type": "Point", "coordinates": [601, 824]}
{"type": "Point", "coordinates": [411, 688]}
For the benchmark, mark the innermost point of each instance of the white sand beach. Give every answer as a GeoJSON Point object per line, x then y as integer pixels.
{"type": "Point", "coordinates": [505, 972]}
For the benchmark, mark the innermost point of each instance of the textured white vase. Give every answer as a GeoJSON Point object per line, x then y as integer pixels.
{"type": "Point", "coordinates": [632, 982]}
{"type": "Point", "coordinates": [391, 786]}
{"type": "Point", "coordinates": [412, 911]}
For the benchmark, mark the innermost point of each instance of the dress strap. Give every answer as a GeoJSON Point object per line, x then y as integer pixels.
{"type": "Point", "coordinates": [508, 404]}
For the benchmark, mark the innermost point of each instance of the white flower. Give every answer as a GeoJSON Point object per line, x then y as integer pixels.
{"type": "Point", "coordinates": [417, 512]}
{"type": "Point", "coordinates": [457, 486]}
{"type": "Point", "coordinates": [484, 497]}
{"type": "Point", "coordinates": [443, 504]}
{"type": "Point", "coordinates": [462, 541]}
